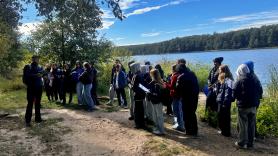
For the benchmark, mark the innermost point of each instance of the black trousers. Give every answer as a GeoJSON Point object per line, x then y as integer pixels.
{"type": "Point", "coordinates": [189, 107]}
{"type": "Point", "coordinates": [139, 114]}
{"type": "Point", "coordinates": [34, 95]}
{"type": "Point", "coordinates": [224, 120]}
{"type": "Point", "coordinates": [94, 94]}
{"type": "Point", "coordinates": [121, 93]}
{"type": "Point", "coordinates": [49, 92]}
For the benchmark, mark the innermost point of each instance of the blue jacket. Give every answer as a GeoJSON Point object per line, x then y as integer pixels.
{"type": "Point", "coordinates": [122, 80]}
{"type": "Point", "coordinates": [76, 72]}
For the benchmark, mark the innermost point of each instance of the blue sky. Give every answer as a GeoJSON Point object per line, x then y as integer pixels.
{"type": "Point", "coordinates": [150, 21]}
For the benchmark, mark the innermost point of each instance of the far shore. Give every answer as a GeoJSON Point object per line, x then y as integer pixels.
{"type": "Point", "coordinates": [206, 51]}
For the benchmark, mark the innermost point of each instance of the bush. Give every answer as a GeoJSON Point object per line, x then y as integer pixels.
{"type": "Point", "coordinates": [267, 114]}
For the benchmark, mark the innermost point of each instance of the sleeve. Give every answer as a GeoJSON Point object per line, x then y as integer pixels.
{"type": "Point", "coordinates": [235, 91]}
{"type": "Point", "coordinates": [228, 98]}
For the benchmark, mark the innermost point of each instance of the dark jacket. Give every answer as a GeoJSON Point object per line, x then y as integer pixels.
{"type": "Point", "coordinates": [137, 79]}
{"type": "Point", "coordinates": [122, 80]}
{"type": "Point", "coordinates": [213, 76]}
{"type": "Point", "coordinates": [75, 74]}
{"type": "Point", "coordinates": [113, 71]}
{"type": "Point", "coordinates": [187, 85]}
{"type": "Point", "coordinates": [32, 75]}
{"type": "Point", "coordinates": [224, 92]}
{"type": "Point", "coordinates": [247, 91]}
{"type": "Point", "coordinates": [87, 76]}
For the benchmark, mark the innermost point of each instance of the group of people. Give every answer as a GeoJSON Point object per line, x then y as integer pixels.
{"type": "Point", "coordinates": [57, 80]}
{"type": "Point", "coordinates": [150, 90]}
{"type": "Point", "coordinates": [223, 89]}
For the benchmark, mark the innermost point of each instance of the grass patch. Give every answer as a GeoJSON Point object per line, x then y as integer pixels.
{"type": "Point", "coordinates": [161, 147]}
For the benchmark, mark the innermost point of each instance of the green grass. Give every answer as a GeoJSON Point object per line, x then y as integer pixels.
{"type": "Point", "coordinates": [162, 147]}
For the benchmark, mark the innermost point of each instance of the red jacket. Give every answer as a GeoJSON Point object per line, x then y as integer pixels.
{"type": "Point", "coordinates": [172, 85]}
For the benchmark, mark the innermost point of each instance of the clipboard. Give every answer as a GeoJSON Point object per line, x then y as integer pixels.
{"type": "Point", "coordinates": [144, 88]}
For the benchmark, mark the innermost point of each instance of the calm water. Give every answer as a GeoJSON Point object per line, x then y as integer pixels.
{"type": "Point", "coordinates": [263, 59]}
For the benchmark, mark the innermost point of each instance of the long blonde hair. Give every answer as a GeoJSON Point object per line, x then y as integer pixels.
{"type": "Point", "coordinates": [224, 73]}
{"type": "Point", "coordinates": [155, 75]}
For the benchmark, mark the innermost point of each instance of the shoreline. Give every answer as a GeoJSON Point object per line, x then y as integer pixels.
{"type": "Point", "coordinates": [207, 51]}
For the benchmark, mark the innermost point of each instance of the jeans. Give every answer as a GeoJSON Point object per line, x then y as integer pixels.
{"type": "Point", "coordinates": [177, 108]}
{"type": "Point", "coordinates": [121, 96]}
{"type": "Point", "coordinates": [158, 116]}
{"type": "Point", "coordinates": [132, 102]}
{"type": "Point", "coordinates": [79, 88]}
{"type": "Point", "coordinates": [33, 96]}
{"type": "Point", "coordinates": [247, 122]}
{"type": "Point", "coordinates": [86, 96]}
{"type": "Point", "coordinates": [149, 110]}
{"type": "Point", "coordinates": [111, 94]}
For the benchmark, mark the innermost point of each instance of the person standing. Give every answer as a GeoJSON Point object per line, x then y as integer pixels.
{"type": "Point", "coordinates": [177, 105]}
{"type": "Point", "coordinates": [155, 96]}
{"type": "Point", "coordinates": [188, 89]}
{"type": "Point", "coordinates": [139, 95]}
{"type": "Point", "coordinates": [76, 72]}
{"type": "Point", "coordinates": [211, 104]}
{"type": "Point", "coordinates": [68, 82]}
{"type": "Point", "coordinates": [119, 83]}
{"type": "Point", "coordinates": [111, 88]}
{"type": "Point", "coordinates": [247, 93]}
{"type": "Point", "coordinates": [250, 65]}
{"type": "Point", "coordinates": [94, 85]}
{"type": "Point", "coordinates": [86, 78]}
{"type": "Point", "coordinates": [131, 93]}
{"type": "Point", "coordinates": [32, 78]}
{"type": "Point", "coordinates": [48, 78]}
{"type": "Point", "coordinates": [224, 99]}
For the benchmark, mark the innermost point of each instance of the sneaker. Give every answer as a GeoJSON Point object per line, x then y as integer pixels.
{"type": "Point", "coordinates": [180, 129]}
{"type": "Point", "coordinates": [175, 126]}
{"type": "Point", "coordinates": [237, 144]}
{"type": "Point", "coordinates": [157, 132]}
{"type": "Point", "coordinates": [125, 107]}
{"type": "Point", "coordinates": [131, 118]}
{"type": "Point", "coordinates": [219, 132]}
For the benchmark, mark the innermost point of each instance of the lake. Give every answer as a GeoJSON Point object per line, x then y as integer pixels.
{"type": "Point", "coordinates": [263, 59]}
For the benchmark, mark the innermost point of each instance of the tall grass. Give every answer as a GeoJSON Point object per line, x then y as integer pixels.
{"type": "Point", "coordinates": [267, 114]}
{"type": "Point", "coordinates": [201, 71]}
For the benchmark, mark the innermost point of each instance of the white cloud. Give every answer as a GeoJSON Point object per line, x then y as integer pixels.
{"type": "Point", "coordinates": [27, 28]}
{"type": "Point", "coordinates": [148, 9]}
{"type": "Point", "coordinates": [255, 24]}
{"type": "Point", "coordinates": [106, 24]}
{"type": "Point", "coordinates": [127, 4]}
{"type": "Point", "coordinates": [249, 17]}
{"type": "Point", "coordinates": [150, 34]}
{"type": "Point", "coordinates": [119, 38]}
{"type": "Point", "coordinates": [253, 20]}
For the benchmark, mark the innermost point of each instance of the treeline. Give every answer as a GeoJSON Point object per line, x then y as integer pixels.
{"type": "Point", "coordinates": [265, 36]}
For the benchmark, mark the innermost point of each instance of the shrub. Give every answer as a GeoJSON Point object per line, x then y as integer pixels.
{"type": "Point", "coordinates": [267, 114]}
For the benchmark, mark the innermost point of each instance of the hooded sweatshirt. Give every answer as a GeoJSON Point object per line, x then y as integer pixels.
{"type": "Point", "coordinates": [246, 90]}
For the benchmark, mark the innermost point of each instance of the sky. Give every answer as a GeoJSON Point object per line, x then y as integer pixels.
{"type": "Point", "coordinates": [150, 21]}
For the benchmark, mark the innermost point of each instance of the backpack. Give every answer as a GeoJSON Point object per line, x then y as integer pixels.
{"type": "Point", "coordinates": [26, 71]}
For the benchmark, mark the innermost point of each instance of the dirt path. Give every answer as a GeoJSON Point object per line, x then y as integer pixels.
{"type": "Point", "coordinates": [76, 132]}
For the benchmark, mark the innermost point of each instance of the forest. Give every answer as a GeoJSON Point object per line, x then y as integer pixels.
{"type": "Point", "coordinates": [265, 36]}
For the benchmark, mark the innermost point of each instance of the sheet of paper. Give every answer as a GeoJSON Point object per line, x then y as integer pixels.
{"type": "Point", "coordinates": [144, 88]}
